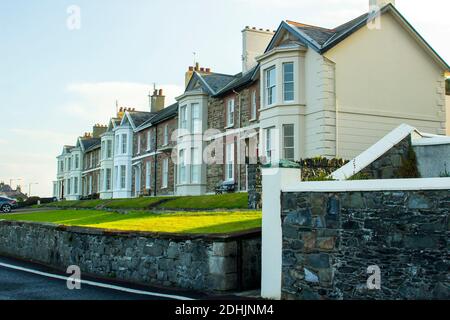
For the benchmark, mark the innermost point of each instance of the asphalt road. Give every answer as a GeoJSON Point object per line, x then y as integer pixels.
{"type": "Point", "coordinates": [26, 285]}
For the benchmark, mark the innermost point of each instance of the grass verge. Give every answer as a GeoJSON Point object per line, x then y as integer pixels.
{"type": "Point", "coordinates": [177, 222]}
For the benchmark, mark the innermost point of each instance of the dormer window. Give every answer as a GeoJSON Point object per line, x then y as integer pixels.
{"type": "Point", "coordinates": [271, 86]}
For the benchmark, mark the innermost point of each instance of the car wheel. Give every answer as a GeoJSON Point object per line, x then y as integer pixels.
{"type": "Point", "coordinates": [6, 208]}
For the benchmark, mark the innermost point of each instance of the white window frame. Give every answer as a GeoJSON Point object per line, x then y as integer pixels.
{"type": "Point", "coordinates": [149, 140]}
{"type": "Point", "coordinates": [268, 144]}
{"type": "Point", "coordinates": [293, 141]}
{"type": "Point", "coordinates": [124, 143]}
{"type": "Point", "coordinates": [270, 88]}
{"type": "Point", "coordinates": [148, 175]}
{"type": "Point", "coordinates": [108, 179]}
{"type": "Point", "coordinates": [116, 177]}
{"type": "Point", "coordinates": [230, 112]}
{"type": "Point", "coordinates": [195, 165]}
{"type": "Point", "coordinates": [123, 177]}
{"type": "Point", "coordinates": [165, 173]}
{"type": "Point", "coordinates": [166, 135]}
{"type": "Point", "coordinates": [109, 149]}
{"type": "Point", "coordinates": [183, 117]}
{"type": "Point", "coordinates": [285, 82]}
{"type": "Point", "coordinates": [117, 142]}
{"type": "Point", "coordinates": [196, 118]}
{"type": "Point", "coordinates": [229, 165]}
{"type": "Point", "coordinates": [253, 110]}
{"type": "Point", "coordinates": [138, 143]}
{"type": "Point", "coordinates": [182, 164]}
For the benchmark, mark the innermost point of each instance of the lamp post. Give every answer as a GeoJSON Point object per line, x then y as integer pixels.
{"type": "Point", "coordinates": [29, 188]}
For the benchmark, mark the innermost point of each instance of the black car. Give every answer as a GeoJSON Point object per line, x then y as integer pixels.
{"type": "Point", "coordinates": [7, 204]}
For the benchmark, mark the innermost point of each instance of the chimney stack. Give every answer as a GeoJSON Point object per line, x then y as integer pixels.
{"type": "Point", "coordinates": [157, 100]}
{"type": "Point", "coordinates": [380, 3]}
{"type": "Point", "coordinates": [98, 130]}
{"type": "Point", "coordinates": [254, 43]}
{"type": "Point", "coordinates": [192, 69]}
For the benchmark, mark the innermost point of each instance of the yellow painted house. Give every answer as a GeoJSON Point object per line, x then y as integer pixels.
{"type": "Point", "coordinates": [343, 89]}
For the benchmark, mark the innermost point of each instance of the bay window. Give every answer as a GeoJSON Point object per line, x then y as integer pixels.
{"type": "Point", "coordinates": [138, 143]}
{"type": "Point", "coordinates": [109, 149]}
{"type": "Point", "coordinates": [195, 121]}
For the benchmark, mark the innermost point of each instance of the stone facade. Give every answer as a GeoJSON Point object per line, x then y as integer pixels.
{"type": "Point", "coordinates": [217, 119]}
{"type": "Point", "coordinates": [330, 239]}
{"type": "Point", "coordinates": [204, 263]}
{"type": "Point", "coordinates": [163, 152]}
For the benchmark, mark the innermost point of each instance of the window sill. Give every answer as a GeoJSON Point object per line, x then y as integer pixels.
{"type": "Point", "coordinates": [253, 120]}
{"type": "Point", "coordinates": [231, 126]}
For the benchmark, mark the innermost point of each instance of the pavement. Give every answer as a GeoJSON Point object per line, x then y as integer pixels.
{"type": "Point", "coordinates": [20, 280]}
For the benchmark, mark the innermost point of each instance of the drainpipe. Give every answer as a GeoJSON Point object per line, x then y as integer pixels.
{"type": "Point", "coordinates": [156, 161]}
{"type": "Point", "coordinates": [239, 140]}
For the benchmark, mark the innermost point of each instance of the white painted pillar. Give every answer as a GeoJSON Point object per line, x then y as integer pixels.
{"type": "Point", "coordinates": [273, 181]}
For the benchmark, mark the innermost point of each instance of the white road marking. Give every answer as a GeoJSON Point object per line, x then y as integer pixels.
{"type": "Point", "coordinates": [96, 284]}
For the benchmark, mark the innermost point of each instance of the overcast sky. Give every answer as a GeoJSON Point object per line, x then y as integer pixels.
{"type": "Point", "coordinates": [56, 83]}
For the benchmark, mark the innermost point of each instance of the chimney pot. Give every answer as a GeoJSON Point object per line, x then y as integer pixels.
{"type": "Point", "coordinates": [191, 68]}
{"type": "Point", "coordinates": [160, 92]}
{"type": "Point", "coordinates": [208, 70]}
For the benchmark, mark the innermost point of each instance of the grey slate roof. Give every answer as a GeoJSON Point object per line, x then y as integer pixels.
{"type": "Point", "coordinates": [217, 81]}
{"type": "Point", "coordinates": [240, 80]}
{"type": "Point", "coordinates": [328, 37]}
{"type": "Point", "coordinates": [166, 113]}
{"type": "Point", "coordinates": [90, 144]}
{"type": "Point", "coordinates": [139, 117]}
{"type": "Point", "coordinates": [210, 83]}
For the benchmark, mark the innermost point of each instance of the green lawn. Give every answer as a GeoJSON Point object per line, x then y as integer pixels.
{"type": "Point", "coordinates": [209, 202]}
{"type": "Point", "coordinates": [178, 222]}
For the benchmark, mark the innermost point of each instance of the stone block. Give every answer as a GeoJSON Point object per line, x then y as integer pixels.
{"type": "Point", "coordinates": [416, 201]}
{"type": "Point", "coordinates": [224, 249]}
{"type": "Point", "coordinates": [222, 265]}
{"type": "Point", "coordinates": [318, 260]}
{"type": "Point", "coordinates": [302, 217]}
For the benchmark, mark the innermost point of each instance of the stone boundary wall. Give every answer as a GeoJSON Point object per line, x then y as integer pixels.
{"type": "Point", "coordinates": [330, 239]}
{"type": "Point", "coordinates": [196, 262]}
{"type": "Point", "coordinates": [389, 165]}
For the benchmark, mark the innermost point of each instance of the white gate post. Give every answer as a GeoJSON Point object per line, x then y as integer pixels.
{"type": "Point", "coordinates": [273, 181]}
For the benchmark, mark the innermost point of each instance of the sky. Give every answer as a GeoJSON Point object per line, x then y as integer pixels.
{"type": "Point", "coordinates": [56, 82]}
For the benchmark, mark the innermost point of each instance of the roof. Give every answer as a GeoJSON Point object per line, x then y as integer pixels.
{"type": "Point", "coordinates": [240, 80]}
{"type": "Point", "coordinates": [210, 83]}
{"type": "Point", "coordinates": [323, 39]}
{"type": "Point", "coordinates": [90, 143]}
{"type": "Point", "coordinates": [166, 113]}
{"type": "Point", "coordinates": [139, 117]}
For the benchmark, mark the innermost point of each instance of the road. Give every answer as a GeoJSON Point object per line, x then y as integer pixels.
{"type": "Point", "coordinates": [25, 281]}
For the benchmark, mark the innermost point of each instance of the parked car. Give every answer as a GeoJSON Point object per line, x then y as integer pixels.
{"type": "Point", "coordinates": [7, 204]}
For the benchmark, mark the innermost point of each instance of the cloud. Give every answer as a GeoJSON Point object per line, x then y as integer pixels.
{"type": "Point", "coordinates": [96, 102]}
